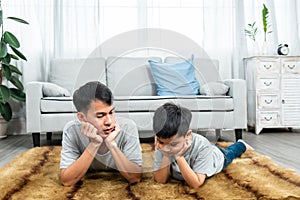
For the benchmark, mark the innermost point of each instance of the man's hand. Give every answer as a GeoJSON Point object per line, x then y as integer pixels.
{"type": "Point", "coordinates": [187, 144]}
{"type": "Point", "coordinates": [91, 132]}
{"type": "Point", "coordinates": [110, 141]}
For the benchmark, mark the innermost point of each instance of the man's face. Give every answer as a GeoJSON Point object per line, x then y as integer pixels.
{"type": "Point", "coordinates": [171, 145]}
{"type": "Point", "coordinates": [102, 117]}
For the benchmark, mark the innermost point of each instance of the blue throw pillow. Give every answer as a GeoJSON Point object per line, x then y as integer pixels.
{"type": "Point", "coordinates": [174, 79]}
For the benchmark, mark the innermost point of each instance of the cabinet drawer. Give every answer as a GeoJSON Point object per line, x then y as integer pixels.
{"type": "Point", "coordinates": [268, 100]}
{"type": "Point", "coordinates": [268, 67]}
{"type": "Point", "coordinates": [267, 84]}
{"type": "Point", "coordinates": [268, 118]}
{"type": "Point", "coordinates": [291, 67]}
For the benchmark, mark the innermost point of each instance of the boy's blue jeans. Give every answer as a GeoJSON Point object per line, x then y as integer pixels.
{"type": "Point", "coordinates": [232, 152]}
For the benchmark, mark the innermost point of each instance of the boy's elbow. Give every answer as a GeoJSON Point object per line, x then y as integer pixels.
{"type": "Point", "coordinates": [67, 183]}
{"type": "Point", "coordinates": [196, 186]}
{"type": "Point", "coordinates": [135, 178]}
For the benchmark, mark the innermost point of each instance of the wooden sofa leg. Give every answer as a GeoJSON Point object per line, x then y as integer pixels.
{"type": "Point", "coordinates": [36, 139]}
{"type": "Point", "coordinates": [238, 134]}
{"type": "Point", "coordinates": [49, 136]}
{"type": "Point", "coordinates": [218, 134]}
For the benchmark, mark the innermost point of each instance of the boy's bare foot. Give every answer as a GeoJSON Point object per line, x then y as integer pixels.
{"type": "Point", "coordinates": [248, 147]}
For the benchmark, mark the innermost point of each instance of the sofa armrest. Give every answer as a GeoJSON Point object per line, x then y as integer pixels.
{"type": "Point", "coordinates": [238, 91]}
{"type": "Point", "coordinates": [34, 94]}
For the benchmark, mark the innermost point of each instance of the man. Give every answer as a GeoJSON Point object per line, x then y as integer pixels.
{"type": "Point", "coordinates": [97, 140]}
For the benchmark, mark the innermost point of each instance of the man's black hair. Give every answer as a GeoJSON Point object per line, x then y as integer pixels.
{"type": "Point", "coordinates": [170, 119]}
{"type": "Point", "coordinates": [89, 92]}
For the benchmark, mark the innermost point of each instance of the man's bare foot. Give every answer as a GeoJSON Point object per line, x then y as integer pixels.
{"type": "Point", "coordinates": [248, 147]}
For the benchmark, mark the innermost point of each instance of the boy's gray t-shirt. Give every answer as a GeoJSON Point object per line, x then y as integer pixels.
{"type": "Point", "coordinates": [203, 158]}
{"type": "Point", "coordinates": [74, 144]}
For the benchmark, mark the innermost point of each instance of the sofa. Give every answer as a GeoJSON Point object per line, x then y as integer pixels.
{"type": "Point", "coordinates": [49, 104]}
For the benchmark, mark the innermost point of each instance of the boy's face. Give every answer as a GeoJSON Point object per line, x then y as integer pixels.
{"type": "Point", "coordinates": [101, 116]}
{"type": "Point", "coordinates": [173, 144]}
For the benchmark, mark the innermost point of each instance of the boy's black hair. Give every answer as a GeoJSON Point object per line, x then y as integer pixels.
{"type": "Point", "coordinates": [89, 92]}
{"type": "Point", "coordinates": [170, 119]}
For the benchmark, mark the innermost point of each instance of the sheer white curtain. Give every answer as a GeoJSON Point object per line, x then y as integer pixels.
{"type": "Point", "coordinates": [210, 23]}
{"type": "Point", "coordinates": [74, 28]}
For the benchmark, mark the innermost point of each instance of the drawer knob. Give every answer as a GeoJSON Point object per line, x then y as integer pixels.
{"type": "Point", "coordinates": [291, 67]}
{"type": "Point", "coordinates": [283, 101]}
{"type": "Point", "coordinates": [267, 83]}
{"type": "Point", "coordinates": [268, 101]}
{"type": "Point", "coordinates": [268, 118]}
{"type": "Point", "coordinates": [268, 67]}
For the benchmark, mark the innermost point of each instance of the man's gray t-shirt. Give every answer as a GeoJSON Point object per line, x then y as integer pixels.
{"type": "Point", "coordinates": [203, 158]}
{"type": "Point", "coordinates": [74, 143]}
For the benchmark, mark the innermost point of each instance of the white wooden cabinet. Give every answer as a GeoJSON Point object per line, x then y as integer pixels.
{"type": "Point", "coordinates": [273, 91]}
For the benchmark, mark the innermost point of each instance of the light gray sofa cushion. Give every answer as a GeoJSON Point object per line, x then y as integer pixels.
{"type": "Point", "coordinates": [214, 89]}
{"type": "Point", "coordinates": [53, 90]}
{"type": "Point", "coordinates": [128, 76]}
{"type": "Point", "coordinates": [72, 73]}
{"type": "Point", "coordinates": [194, 103]}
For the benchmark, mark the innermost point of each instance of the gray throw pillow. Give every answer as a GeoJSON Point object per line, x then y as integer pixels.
{"type": "Point", "coordinates": [214, 89]}
{"type": "Point", "coordinates": [53, 90]}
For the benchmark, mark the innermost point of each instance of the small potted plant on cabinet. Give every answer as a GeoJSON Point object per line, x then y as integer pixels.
{"type": "Point", "coordinates": [266, 27]}
{"type": "Point", "coordinates": [11, 88]}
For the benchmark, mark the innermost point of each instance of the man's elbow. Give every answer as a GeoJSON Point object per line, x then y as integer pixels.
{"type": "Point", "coordinates": [160, 179]}
{"type": "Point", "coordinates": [67, 182]}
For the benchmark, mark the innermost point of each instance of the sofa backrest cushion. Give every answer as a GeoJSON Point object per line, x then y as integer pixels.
{"type": "Point", "coordinates": [72, 73]}
{"type": "Point", "coordinates": [206, 70]}
{"type": "Point", "coordinates": [130, 76]}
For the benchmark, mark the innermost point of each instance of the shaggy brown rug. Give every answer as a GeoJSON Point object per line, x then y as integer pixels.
{"type": "Point", "coordinates": [34, 174]}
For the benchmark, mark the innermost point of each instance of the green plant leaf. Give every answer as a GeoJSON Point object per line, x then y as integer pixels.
{"type": "Point", "coordinates": [6, 111]}
{"type": "Point", "coordinates": [18, 53]}
{"type": "Point", "coordinates": [14, 80]}
{"type": "Point", "coordinates": [14, 69]}
{"type": "Point", "coordinates": [18, 20]}
{"type": "Point", "coordinates": [3, 50]}
{"type": "Point", "coordinates": [4, 94]}
{"type": "Point", "coordinates": [13, 56]}
{"type": "Point", "coordinates": [18, 94]}
{"type": "Point", "coordinates": [7, 58]}
{"type": "Point", "coordinates": [7, 71]}
{"type": "Point", "coordinates": [1, 18]}
{"type": "Point", "coordinates": [10, 39]}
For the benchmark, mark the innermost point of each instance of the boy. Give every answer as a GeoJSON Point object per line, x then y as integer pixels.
{"type": "Point", "coordinates": [97, 140]}
{"type": "Point", "coordinates": [185, 155]}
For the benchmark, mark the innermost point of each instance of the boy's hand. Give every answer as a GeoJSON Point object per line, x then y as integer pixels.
{"type": "Point", "coordinates": [110, 141]}
{"type": "Point", "coordinates": [187, 144]}
{"type": "Point", "coordinates": [91, 132]}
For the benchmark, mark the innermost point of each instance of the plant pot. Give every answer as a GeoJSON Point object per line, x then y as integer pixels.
{"type": "Point", "coordinates": [3, 128]}
{"type": "Point", "coordinates": [264, 49]}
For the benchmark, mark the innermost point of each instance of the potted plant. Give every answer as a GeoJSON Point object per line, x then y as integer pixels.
{"type": "Point", "coordinates": [266, 23]}
{"type": "Point", "coordinates": [10, 86]}
{"type": "Point", "coordinates": [251, 32]}
{"type": "Point", "coordinates": [266, 27]}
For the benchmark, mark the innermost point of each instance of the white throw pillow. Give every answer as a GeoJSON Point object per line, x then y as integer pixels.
{"type": "Point", "coordinates": [214, 89]}
{"type": "Point", "coordinates": [53, 90]}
